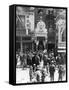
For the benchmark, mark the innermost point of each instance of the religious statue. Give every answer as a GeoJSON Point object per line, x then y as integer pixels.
{"type": "Point", "coordinates": [41, 27]}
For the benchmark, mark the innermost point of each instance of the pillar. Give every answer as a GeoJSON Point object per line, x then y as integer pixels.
{"type": "Point", "coordinates": [26, 31]}
{"type": "Point", "coordinates": [37, 42]}
{"type": "Point", "coordinates": [44, 43]}
{"type": "Point", "coordinates": [21, 46]}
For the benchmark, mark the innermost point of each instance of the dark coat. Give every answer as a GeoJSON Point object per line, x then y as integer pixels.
{"type": "Point", "coordinates": [45, 60]}
{"type": "Point", "coordinates": [29, 60]}
{"type": "Point", "coordinates": [52, 70]}
{"type": "Point", "coordinates": [35, 60]}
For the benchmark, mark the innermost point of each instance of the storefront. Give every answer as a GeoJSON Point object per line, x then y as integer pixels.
{"type": "Point", "coordinates": [24, 43]}
{"type": "Point", "coordinates": [37, 29]}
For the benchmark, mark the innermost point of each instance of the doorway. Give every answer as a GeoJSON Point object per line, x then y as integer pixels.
{"type": "Point", "coordinates": [41, 45]}
{"type": "Point", "coordinates": [51, 47]}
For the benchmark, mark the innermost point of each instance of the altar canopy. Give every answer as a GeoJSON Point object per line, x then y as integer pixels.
{"type": "Point", "coordinates": [41, 29]}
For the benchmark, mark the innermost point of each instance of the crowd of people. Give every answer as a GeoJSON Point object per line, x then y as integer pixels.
{"type": "Point", "coordinates": [41, 64]}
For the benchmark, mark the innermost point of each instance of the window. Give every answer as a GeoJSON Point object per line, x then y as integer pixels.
{"type": "Point", "coordinates": [20, 22]}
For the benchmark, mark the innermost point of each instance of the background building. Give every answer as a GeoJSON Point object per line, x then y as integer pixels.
{"type": "Point", "coordinates": [40, 28]}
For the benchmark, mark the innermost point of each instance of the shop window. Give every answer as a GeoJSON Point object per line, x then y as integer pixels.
{"type": "Point", "coordinates": [20, 21]}
{"type": "Point", "coordinates": [17, 46]}
{"type": "Point", "coordinates": [64, 36]}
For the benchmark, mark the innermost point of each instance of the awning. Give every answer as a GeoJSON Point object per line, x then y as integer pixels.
{"type": "Point", "coordinates": [61, 51]}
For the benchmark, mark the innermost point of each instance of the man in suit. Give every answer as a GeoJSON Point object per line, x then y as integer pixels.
{"type": "Point", "coordinates": [52, 70]}
{"type": "Point", "coordinates": [35, 61]}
